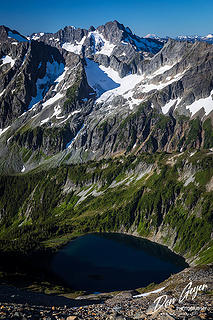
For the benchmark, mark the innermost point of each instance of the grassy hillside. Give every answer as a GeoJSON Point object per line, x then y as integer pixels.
{"type": "Point", "coordinates": [164, 197]}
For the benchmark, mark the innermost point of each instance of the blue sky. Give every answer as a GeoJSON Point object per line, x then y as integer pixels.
{"type": "Point", "coordinates": [162, 17]}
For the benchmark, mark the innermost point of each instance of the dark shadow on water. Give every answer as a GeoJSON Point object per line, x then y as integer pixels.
{"type": "Point", "coordinates": [107, 262]}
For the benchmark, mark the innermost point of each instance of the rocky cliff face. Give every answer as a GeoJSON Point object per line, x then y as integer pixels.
{"type": "Point", "coordinates": [110, 45]}
{"type": "Point", "coordinates": [22, 67]}
{"type": "Point", "coordinates": [87, 94]}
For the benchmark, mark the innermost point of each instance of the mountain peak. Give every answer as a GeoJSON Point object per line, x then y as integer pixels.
{"type": "Point", "coordinates": [151, 35]}
{"type": "Point", "coordinates": [114, 24]}
{"type": "Point", "coordinates": [120, 25]}
{"type": "Point", "coordinates": [3, 33]}
{"type": "Point", "coordinates": [91, 29]}
{"type": "Point", "coordinates": [209, 36]}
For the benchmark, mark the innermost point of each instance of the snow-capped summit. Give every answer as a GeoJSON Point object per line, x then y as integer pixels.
{"type": "Point", "coordinates": [152, 36]}
{"type": "Point", "coordinates": [209, 36]}
{"type": "Point", "coordinates": [109, 44]}
{"type": "Point", "coordinates": [70, 83]}
{"type": "Point", "coordinates": [37, 36]}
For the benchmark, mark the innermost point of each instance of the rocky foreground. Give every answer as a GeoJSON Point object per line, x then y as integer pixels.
{"type": "Point", "coordinates": [187, 295]}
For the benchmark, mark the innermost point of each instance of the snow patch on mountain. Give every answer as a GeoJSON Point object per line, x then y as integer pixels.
{"type": "Point", "coordinates": [206, 103]}
{"type": "Point", "coordinates": [124, 87]}
{"type": "Point", "coordinates": [8, 59]}
{"type": "Point", "coordinates": [168, 105]}
{"type": "Point", "coordinates": [4, 130]}
{"type": "Point", "coordinates": [53, 99]}
{"type": "Point", "coordinates": [131, 101]}
{"type": "Point", "coordinates": [101, 45]}
{"type": "Point", "coordinates": [106, 49]}
{"type": "Point", "coordinates": [44, 121]}
{"type": "Point", "coordinates": [60, 78]}
{"type": "Point", "coordinates": [75, 47]}
{"type": "Point", "coordinates": [147, 87]}
{"type": "Point", "coordinates": [100, 80]}
{"type": "Point", "coordinates": [69, 144]}
{"type": "Point", "coordinates": [57, 111]}
{"type": "Point", "coordinates": [125, 84]}
{"type": "Point", "coordinates": [108, 84]}
{"type": "Point", "coordinates": [37, 36]}
{"type": "Point", "coordinates": [3, 91]}
{"type": "Point", "coordinates": [161, 70]}
{"type": "Point", "coordinates": [53, 71]}
{"type": "Point", "coordinates": [68, 117]}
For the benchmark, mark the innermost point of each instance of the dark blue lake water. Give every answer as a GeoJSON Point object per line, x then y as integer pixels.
{"type": "Point", "coordinates": [107, 262]}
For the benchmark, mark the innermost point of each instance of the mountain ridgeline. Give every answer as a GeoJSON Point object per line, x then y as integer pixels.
{"type": "Point", "coordinates": [103, 130]}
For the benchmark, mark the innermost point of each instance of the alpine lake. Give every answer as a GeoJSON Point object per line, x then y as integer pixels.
{"type": "Point", "coordinates": [105, 262]}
